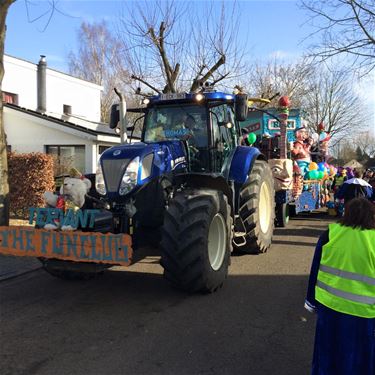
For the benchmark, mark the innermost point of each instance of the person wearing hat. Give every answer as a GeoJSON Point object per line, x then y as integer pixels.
{"type": "Point", "coordinates": [339, 179]}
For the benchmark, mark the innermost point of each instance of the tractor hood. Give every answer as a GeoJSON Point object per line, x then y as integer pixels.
{"type": "Point", "coordinates": [126, 168]}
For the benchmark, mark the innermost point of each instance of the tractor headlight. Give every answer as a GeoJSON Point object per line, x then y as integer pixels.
{"type": "Point", "coordinates": [129, 180]}
{"type": "Point", "coordinates": [99, 180]}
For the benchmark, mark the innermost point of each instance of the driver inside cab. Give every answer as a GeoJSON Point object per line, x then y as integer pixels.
{"type": "Point", "coordinates": [183, 126]}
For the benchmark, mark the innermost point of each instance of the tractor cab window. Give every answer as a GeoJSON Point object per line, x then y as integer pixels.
{"type": "Point", "coordinates": [178, 122]}
{"type": "Point", "coordinates": [223, 132]}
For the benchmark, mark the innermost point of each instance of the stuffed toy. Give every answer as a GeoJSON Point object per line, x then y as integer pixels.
{"type": "Point", "coordinates": [72, 197]}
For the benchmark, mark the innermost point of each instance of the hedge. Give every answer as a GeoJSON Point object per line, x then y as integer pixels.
{"type": "Point", "coordinates": [30, 175]}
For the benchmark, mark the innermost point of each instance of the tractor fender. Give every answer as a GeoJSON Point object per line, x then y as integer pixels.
{"type": "Point", "coordinates": [241, 163]}
{"type": "Point", "coordinates": [239, 166]}
{"type": "Point", "coordinates": [204, 180]}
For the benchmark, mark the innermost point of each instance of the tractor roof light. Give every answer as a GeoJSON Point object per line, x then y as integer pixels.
{"type": "Point", "coordinates": [146, 101]}
{"type": "Point", "coordinates": [199, 97]}
{"type": "Point", "coordinates": [229, 125]}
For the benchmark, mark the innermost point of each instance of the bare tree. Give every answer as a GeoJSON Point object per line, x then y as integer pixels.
{"type": "Point", "coordinates": [97, 61]}
{"type": "Point", "coordinates": [292, 79]}
{"type": "Point", "coordinates": [324, 95]}
{"type": "Point", "coordinates": [366, 142]}
{"type": "Point", "coordinates": [46, 16]}
{"type": "Point", "coordinates": [332, 101]}
{"type": "Point", "coordinates": [343, 151]}
{"type": "Point", "coordinates": [170, 46]}
{"type": "Point", "coordinates": [4, 187]}
{"type": "Point", "coordinates": [345, 27]}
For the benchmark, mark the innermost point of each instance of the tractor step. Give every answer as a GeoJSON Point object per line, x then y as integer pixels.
{"type": "Point", "coordinates": [239, 234]}
{"type": "Point", "coordinates": [239, 239]}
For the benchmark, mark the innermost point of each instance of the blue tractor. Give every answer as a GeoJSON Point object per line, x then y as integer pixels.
{"type": "Point", "coordinates": [191, 178]}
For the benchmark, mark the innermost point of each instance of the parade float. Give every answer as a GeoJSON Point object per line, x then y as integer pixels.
{"type": "Point", "coordinates": [298, 160]}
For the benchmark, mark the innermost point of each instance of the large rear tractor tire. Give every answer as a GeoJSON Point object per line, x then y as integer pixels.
{"type": "Point", "coordinates": [256, 221]}
{"type": "Point", "coordinates": [197, 240]}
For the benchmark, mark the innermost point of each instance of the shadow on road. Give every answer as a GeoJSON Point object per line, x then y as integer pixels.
{"type": "Point", "coordinates": [135, 323]}
{"type": "Point", "coordinates": [305, 232]}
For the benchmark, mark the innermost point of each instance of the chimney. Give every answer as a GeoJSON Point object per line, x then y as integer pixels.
{"type": "Point", "coordinates": [41, 84]}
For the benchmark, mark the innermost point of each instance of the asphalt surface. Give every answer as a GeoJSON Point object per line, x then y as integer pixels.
{"type": "Point", "coordinates": [130, 321]}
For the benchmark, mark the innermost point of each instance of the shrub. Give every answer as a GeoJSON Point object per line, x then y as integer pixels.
{"type": "Point", "coordinates": [30, 175]}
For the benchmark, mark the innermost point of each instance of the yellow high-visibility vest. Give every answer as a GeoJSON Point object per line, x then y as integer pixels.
{"type": "Point", "coordinates": [346, 278]}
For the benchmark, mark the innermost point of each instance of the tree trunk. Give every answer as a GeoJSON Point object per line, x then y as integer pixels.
{"type": "Point", "coordinates": [4, 187]}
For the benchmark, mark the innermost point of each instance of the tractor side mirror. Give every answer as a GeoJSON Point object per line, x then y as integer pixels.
{"type": "Point", "coordinates": [115, 116]}
{"type": "Point", "coordinates": [241, 107]}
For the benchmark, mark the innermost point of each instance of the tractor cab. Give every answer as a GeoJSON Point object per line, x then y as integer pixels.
{"type": "Point", "coordinates": [205, 122]}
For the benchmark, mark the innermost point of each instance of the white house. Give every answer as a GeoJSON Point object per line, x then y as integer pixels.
{"type": "Point", "coordinates": [53, 112]}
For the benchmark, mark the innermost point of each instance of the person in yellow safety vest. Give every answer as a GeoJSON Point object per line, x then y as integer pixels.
{"type": "Point", "coordinates": [339, 179]}
{"type": "Point", "coordinates": [342, 292]}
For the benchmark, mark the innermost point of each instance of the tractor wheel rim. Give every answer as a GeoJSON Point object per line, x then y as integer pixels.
{"type": "Point", "coordinates": [264, 207]}
{"type": "Point", "coordinates": [217, 235]}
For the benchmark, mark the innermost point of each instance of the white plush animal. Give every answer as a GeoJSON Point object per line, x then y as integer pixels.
{"type": "Point", "coordinates": [72, 196]}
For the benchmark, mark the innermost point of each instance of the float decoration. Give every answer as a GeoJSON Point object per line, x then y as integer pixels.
{"type": "Point", "coordinates": [282, 169]}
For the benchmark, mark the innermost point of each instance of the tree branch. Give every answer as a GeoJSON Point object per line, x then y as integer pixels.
{"type": "Point", "coordinates": [361, 24]}
{"type": "Point", "coordinates": [220, 62]}
{"type": "Point", "coordinates": [145, 83]}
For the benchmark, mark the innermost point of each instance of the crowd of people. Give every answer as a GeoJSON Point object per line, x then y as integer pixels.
{"type": "Point", "coordinates": [352, 183]}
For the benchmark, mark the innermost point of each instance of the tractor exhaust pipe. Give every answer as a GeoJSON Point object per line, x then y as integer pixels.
{"type": "Point", "coordinates": [122, 118]}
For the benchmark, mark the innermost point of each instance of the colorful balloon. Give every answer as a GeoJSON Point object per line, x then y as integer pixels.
{"type": "Point", "coordinates": [321, 166]}
{"type": "Point", "coordinates": [251, 138]}
{"type": "Point", "coordinates": [313, 166]}
{"type": "Point", "coordinates": [313, 175]}
{"type": "Point", "coordinates": [284, 101]}
{"type": "Point", "coordinates": [322, 136]}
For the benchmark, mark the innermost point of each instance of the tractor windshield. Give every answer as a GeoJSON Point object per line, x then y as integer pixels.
{"type": "Point", "coordinates": [181, 122]}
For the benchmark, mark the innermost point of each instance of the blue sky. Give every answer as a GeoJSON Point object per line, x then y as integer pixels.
{"type": "Point", "coordinates": [271, 27]}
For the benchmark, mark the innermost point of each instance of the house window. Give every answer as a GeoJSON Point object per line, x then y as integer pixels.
{"type": "Point", "coordinates": [103, 148]}
{"type": "Point", "coordinates": [66, 158]}
{"type": "Point", "coordinates": [10, 98]}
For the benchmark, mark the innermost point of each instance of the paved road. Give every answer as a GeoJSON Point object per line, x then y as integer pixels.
{"type": "Point", "coordinates": [133, 322]}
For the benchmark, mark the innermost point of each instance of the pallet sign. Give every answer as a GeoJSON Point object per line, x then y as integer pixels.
{"type": "Point", "coordinates": [76, 246]}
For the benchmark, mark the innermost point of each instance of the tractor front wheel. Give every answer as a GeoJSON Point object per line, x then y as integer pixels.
{"type": "Point", "coordinates": [197, 240]}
